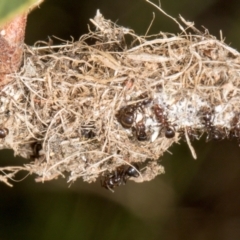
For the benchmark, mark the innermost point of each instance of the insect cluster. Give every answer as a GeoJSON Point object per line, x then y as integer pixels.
{"type": "Point", "coordinates": [119, 176]}
{"type": "Point", "coordinates": [142, 117]}
{"type": "Point", "coordinates": [212, 130]}
{"type": "Point", "coordinates": [128, 116]}
{"type": "Point", "coordinates": [135, 118]}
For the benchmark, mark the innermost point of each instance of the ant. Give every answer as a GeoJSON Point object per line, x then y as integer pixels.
{"type": "Point", "coordinates": [169, 132]}
{"type": "Point", "coordinates": [36, 147]}
{"type": "Point", "coordinates": [141, 131]}
{"type": "Point", "coordinates": [162, 118]}
{"type": "Point", "coordinates": [88, 133]}
{"type": "Point", "coordinates": [215, 134]}
{"type": "Point", "coordinates": [119, 176]}
{"type": "Point", "coordinates": [126, 116]}
{"type": "Point", "coordinates": [3, 132]}
{"type": "Point", "coordinates": [207, 120]}
{"type": "Point", "coordinates": [235, 128]}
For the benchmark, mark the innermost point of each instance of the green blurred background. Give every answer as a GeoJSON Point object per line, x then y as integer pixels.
{"type": "Point", "coordinates": [193, 200]}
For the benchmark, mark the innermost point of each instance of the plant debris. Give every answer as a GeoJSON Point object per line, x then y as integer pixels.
{"type": "Point", "coordinates": [83, 109]}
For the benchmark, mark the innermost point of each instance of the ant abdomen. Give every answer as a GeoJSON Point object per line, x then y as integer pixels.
{"type": "Point", "coordinates": [126, 116]}
{"type": "Point", "coordinates": [3, 132]}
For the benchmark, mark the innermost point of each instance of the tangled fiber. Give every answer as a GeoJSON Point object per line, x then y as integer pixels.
{"type": "Point", "coordinates": [83, 109]}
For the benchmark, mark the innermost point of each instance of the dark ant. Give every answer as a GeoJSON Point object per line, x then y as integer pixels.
{"type": "Point", "coordinates": [119, 176]}
{"type": "Point", "coordinates": [207, 121]}
{"type": "Point", "coordinates": [213, 133]}
{"type": "Point", "coordinates": [133, 171]}
{"type": "Point", "coordinates": [36, 147]}
{"type": "Point", "coordinates": [141, 131]}
{"type": "Point", "coordinates": [3, 132]}
{"type": "Point", "coordinates": [126, 116]}
{"type": "Point", "coordinates": [206, 118]}
{"type": "Point", "coordinates": [88, 133]}
{"type": "Point", "coordinates": [169, 132]}
{"type": "Point", "coordinates": [235, 128]}
{"type": "Point", "coordinates": [162, 118]}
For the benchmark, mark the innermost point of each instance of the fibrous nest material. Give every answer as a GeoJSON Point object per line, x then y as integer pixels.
{"type": "Point", "coordinates": [82, 109]}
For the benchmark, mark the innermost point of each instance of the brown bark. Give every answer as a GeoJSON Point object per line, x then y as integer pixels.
{"type": "Point", "coordinates": [11, 45]}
